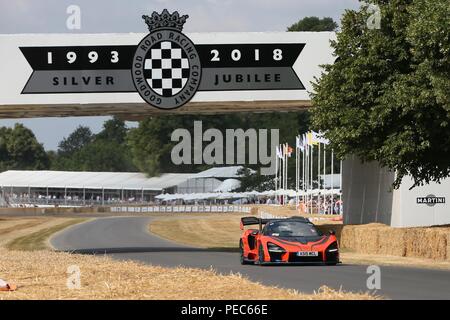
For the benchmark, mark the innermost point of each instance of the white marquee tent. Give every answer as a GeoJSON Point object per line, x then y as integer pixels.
{"type": "Point", "coordinates": [228, 185]}
{"type": "Point", "coordinates": [90, 180]}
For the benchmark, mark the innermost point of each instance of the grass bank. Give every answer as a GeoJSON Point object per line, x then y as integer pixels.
{"type": "Point", "coordinates": [202, 232]}
{"type": "Point", "coordinates": [38, 240]}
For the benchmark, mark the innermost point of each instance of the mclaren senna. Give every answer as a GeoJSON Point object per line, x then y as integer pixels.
{"type": "Point", "coordinates": [293, 240]}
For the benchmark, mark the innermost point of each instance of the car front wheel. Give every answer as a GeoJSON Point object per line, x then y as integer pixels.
{"type": "Point", "coordinates": [242, 256]}
{"type": "Point", "coordinates": [260, 254]}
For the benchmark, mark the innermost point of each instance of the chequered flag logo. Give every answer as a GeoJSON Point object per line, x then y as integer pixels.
{"type": "Point", "coordinates": [166, 68]}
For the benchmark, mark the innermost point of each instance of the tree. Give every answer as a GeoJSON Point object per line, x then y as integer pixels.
{"type": "Point", "coordinates": [386, 96]}
{"type": "Point", "coordinates": [314, 24]}
{"type": "Point", "coordinates": [254, 181]}
{"type": "Point", "coordinates": [151, 144]}
{"type": "Point", "coordinates": [105, 151]}
{"type": "Point", "coordinates": [108, 156]}
{"type": "Point", "coordinates": [19, 150]}
{"type": "Point", "coordinates": [75, 141]}
{"type": "Point", "coordinates": [108, 150]}
{"type": "Point", "coordinates": [113, 130]}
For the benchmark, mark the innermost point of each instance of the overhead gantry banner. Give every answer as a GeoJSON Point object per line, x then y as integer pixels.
{"type": "Point", "coordinates": [164, 71]}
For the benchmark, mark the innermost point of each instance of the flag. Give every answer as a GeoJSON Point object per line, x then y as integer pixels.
{"type": "Point", "coordinates": [279, 153]}
{"type": "Point", "coordinates": [310, 139]}
{"type": "Point", "coordinates": [299, 143]}
{"type": "Point", "coordinates": [289, 150]}
{"type": "Point", "coordinates": [320, 138]}
{"type": "Point", "coordinates": [305, 143]}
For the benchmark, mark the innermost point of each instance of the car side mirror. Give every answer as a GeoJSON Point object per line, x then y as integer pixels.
{"type": "Point", "coordinates": [332, 232]}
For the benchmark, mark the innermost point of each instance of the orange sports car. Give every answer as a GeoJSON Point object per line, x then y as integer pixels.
{"type": "Point", "coordinates": [286, 241]}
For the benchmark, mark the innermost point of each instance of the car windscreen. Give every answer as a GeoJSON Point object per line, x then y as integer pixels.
{"type": "Point", "coordinates": [290, 229]}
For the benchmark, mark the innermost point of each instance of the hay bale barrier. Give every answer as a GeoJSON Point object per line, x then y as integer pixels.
{"type": "Point", "coordinates": [427, 243]}
{"type": "Point", "coordinates": [391, 241]}
{"type": "Point", "coordinates": [374, 238]}
{"type": "Point", "coordinates": [380, 239]}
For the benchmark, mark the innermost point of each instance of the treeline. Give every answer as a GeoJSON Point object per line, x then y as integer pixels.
{"type": "Point", "coordinates": [19, 150]}
{"type": "Point", "coordinates": [80, 151]}
{"type": "Point", "coordinates": [84, 151]}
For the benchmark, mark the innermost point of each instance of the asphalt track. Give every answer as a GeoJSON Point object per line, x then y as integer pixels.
{"type": "Point", "coordinates": [127, 238]}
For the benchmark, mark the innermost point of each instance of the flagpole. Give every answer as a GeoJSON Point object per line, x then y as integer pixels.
{"type": "Point", "coordinates": [276, 172]}
{"type": "Point", "coordinates": [286, 174]}
{"type": "Point", "coordinates": [324, 173]}
{"type": "Point", "coordinates": [340, 189]}
{"type": "Point", "coordinates": [307, 178]}
{"type": "Point", "coordinates": [281, 172]}
{"type": "Point", "coordinates": [296, 173]}
{"type": "Point", "coordinates": [318, 181]}
{"type": "Point", "coordinates": [302, 162]}
{"type": "Point", "coordinates": [305, 182]}
{"type": "Point", "coordinates": [311, 178]}
{"type": "Point", "coordinates": [298, 176]}
{"type": "Point", "coordinates": [303, 173]}
{"type": "Point", "coordinates": [332, 181]}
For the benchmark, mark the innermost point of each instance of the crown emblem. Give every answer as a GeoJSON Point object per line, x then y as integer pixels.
{"type": "Point", "coordinates": [165, 20]}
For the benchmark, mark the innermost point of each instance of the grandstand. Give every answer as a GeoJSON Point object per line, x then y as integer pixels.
{"type": "Point", "coordinates": [73, 188]}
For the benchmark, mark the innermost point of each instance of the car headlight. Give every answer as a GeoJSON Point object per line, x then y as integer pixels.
{"type": "Point", "coordinates": [272, 247]}
{"type": "Point", "coordinates": [332, 247]}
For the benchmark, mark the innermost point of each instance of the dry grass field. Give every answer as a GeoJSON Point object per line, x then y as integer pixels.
{"type": "Point", "coordinates": [39, 240]}
{"type": "Point", "coordinates": [43, 274]}
{"type": "Point", "coordinates": [202, 232]}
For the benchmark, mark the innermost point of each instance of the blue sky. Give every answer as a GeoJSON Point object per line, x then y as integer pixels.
{"type": "Point", "coordinates": [49, 16]}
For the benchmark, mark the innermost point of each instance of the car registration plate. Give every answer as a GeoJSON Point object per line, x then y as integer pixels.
{"type": "Point", "coordinates": [307, 254]}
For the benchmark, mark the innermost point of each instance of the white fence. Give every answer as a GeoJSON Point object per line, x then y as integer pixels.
{"type": "Point", "coordinates": [184, 209]}
{"type": "Point", "coordinates": [266, 215]}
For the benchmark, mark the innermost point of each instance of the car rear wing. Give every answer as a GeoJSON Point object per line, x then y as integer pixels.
{"type": "Point", "coordinates": [248, 221]}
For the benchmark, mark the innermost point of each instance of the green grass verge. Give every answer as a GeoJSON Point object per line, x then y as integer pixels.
{"type": "Point", "coordinates": [38, 240]}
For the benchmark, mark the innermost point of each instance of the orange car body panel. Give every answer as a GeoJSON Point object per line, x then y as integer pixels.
{"type": "Point", "coordinates": [252, 239]}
